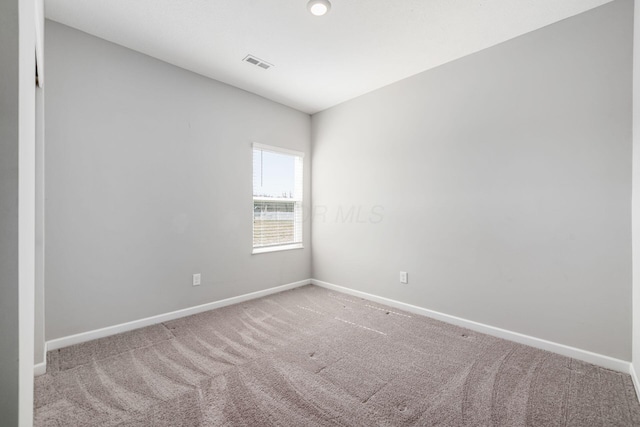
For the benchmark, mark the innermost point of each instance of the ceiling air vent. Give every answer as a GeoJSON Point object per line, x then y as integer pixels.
{"type": "Point", "coordinates": [257, 61]}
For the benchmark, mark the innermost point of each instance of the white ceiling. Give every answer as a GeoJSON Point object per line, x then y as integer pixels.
{"type": "Point", "coordinates": [359, 46]}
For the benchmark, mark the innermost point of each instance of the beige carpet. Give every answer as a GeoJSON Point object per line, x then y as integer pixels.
{"type": "Point", "coordinates": [312, 357]}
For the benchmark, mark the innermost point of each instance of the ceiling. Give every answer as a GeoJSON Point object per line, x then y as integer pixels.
{"type": "Point", "coordinates": [359, 46]}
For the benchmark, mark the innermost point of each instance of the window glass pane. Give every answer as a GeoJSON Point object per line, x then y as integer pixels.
{"type": "Point", "coordinates": [277, 198]}
{"type": "Point", "coordinates": [273, 175]}
{"type": "Point", "coordinates": [273, 223]}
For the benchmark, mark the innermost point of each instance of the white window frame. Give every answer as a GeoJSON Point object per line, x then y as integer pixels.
{"type": "Point", "coordinates": [298, 207]}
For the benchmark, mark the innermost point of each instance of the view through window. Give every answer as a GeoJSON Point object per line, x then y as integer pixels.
{"type": "Point", "coordinates": [277, 198]}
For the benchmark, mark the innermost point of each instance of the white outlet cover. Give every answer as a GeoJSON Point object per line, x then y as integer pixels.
{"type": "Point", "coordinates": [404, 277]}
{"type": "Point", "coordinates": [196, 279]}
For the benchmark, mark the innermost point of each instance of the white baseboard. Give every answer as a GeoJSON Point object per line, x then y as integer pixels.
{"type": "Point", "coordinates": [565, 350]}
{"type": "Point", "coordinates": [634, 378]}
{"type": "Point", "coordinates": [136, 324]}
{"type": "Point", "coordinates": [576, 353]}
{"type": "Point", "coordinates": [41, 368]}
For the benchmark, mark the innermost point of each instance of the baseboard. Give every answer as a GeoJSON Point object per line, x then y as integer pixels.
{"type": "Point", "coordinates": [565, 350]}
{"type": "Point", "coordinates": [41, 368]}
{"type": "Point", "coordinates": [576, 353]}
{"type": "Point", "coordinates": [136, 324]}
{"type": "Point", "coordinates": [634, 378]}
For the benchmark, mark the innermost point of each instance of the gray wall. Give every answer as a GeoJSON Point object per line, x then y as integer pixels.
{"type": "Point", "coordinates": [9, 213]}
{"type": "Point", "coordinates": [504, 183]}
{"type": "Point", "coordinates": [149, 180]}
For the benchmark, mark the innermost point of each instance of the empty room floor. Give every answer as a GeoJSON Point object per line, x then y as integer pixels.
{"type": "Point", "coordinates": [314, 357]}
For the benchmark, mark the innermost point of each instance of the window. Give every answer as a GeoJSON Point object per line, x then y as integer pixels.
{"type": "Point", "coordinates": [277, 199]}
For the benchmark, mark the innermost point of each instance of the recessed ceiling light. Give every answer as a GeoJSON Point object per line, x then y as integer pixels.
{"type": "Point", "coordinates": [319, 7]}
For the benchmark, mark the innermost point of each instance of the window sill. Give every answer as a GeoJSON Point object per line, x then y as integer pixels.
{"type": "Point", "coordinates": [277, 248]}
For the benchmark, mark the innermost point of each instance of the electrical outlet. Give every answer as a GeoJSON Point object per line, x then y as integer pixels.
{"type": "Point", "coordinates": [196, 279]}
{"type": "Point", "coordinates": [404, 277]}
